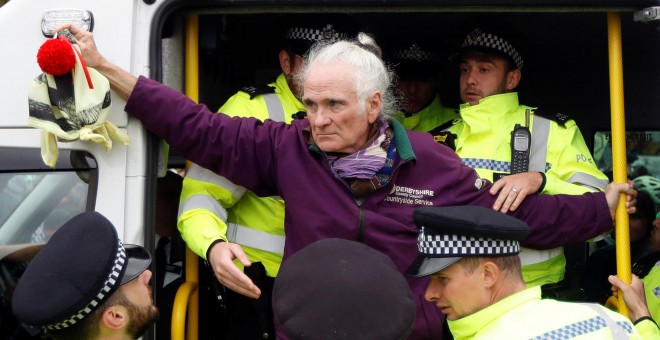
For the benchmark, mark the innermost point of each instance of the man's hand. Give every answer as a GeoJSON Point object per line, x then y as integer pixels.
{"type": "Point", "coordinates": [121, 81]}
{"type": "Point", "coordinates": [514, 188]}
{"type": "Point", "coordinates": [221, 258]}
{"type": "Point", "coordinates": [612, 192]}
{"type": "Point", "coordinates": [86, 43]}
{"type": "Point", "coordinates": [633, 296]}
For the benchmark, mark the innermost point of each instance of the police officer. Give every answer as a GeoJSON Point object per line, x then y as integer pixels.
{"type": "Point", "coordinates": [233, 229]}
{"type": "Point", "coordinates": [342, 289]}
{"type": "Point", "coordinates": [418, 67]}
{"type": "Point", "coordinates": [652, 278]}
{"type": "Point", "coordinates": [471, 256]}
{"type": "Point", "coordinates": [86, 284]}
{"type": "Point", "coordinates": [549, 153]}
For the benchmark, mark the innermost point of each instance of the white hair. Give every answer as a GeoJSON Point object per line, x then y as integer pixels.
{"type": "Point", "coordinates": [370, 74]}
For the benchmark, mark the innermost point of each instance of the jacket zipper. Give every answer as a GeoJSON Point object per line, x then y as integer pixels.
{"type": "Point", "coordinates": [361, 219]}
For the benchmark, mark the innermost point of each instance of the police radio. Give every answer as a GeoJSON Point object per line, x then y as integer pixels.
{"type": "Point", "coordinates": [520, 143]}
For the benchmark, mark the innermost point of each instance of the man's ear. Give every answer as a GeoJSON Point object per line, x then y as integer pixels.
{"type": "Point", "coordinates": [285, 63]}
{"type": "Point", "coordinates": [512, 79]}
{"type": "Point", "coordinates": [115, 317]}
{"type": "Point", "coordinates": [374, 105]}
{"type": "Point", "coordinates": [491, 273]}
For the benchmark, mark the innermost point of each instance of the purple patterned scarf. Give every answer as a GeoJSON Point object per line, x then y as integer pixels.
{"type": "Point", "coordinates": [364, 163]}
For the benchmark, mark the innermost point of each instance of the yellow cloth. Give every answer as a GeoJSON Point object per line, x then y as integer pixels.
{"type": "Point", "coordinates": [66, 109]}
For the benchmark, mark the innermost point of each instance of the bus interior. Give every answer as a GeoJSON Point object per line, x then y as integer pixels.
{"type": "Point", "coordinates": [566, 59]}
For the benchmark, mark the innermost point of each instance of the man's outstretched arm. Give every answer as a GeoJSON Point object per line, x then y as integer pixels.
{"type": "Point", "coordinates": [121, 81]}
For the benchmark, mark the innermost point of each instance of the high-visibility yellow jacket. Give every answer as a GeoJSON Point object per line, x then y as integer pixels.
{"type": "Point", "coordinates": [429, 118]}
{"type": "Point", "coordinates": [652, 290]}
{"type": "Point", "coordinates": [557, 148]}
{"type": "Point", "coordinates": [524, 315]}
{"type": "Point", "coordinates": [213, 208]}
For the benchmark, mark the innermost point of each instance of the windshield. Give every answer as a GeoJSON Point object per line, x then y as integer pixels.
{"type": "Point", "coordinates": [36, 202]}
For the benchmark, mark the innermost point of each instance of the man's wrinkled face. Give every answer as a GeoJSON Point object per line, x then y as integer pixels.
{"type": "Point", "coordinates": [457, 293]}
{"type": "Point", "coordinates": [483, 75]}
{"type": "Point", "coordinates": [333, 109]}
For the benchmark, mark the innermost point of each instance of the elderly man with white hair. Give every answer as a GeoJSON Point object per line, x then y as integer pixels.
{"type": "Point", "coordinates": [349, 171]}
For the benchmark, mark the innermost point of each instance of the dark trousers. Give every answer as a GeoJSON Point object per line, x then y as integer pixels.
{"type": "Point", "coordinates": [251, 318]}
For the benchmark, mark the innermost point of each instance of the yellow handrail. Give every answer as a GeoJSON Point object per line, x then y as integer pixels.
{"type": "Point", "coordinates": [183, 293]}
{"type": "Point", "coordinates": [188, 295]}
{"type": "Point", "coordinates": [619, 163]}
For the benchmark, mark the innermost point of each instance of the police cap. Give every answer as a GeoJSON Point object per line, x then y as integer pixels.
{"type": "Point", "coordinates": [82, 264]}
{"type": "Point", "coordinates": [494, 36]}
{"type": "Point", "coordinates": [416, 61]}
{"type": "Point", "coordinates": [341, 289]}
{"type": "Point", "coordinates": [327, 28]}
{"type": "Point", "coordinates": [448, 234]}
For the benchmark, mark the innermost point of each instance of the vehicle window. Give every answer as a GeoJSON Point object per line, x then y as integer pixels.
{"type": "Point", "coordinates": [37, 200]}
{"type": "Point", "coordinates": [642, 153]}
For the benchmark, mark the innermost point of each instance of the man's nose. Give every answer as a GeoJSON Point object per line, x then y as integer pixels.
{"type": "Point", "coordinates": [321, 118]}
{"type": "Point", "coordinates": [408, 87]}
{"type": "Point", "coordinates": [432, 293]}
{"type": "Point", "coordinates": [471, 77]}
{"type": "Point", "coordinates": [412, 87]}
{"type": "Point", "coordinates": [145, 277]}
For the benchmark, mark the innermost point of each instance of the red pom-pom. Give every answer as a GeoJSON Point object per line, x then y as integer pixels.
{"type": "Point", "coordinates": [56, 56]}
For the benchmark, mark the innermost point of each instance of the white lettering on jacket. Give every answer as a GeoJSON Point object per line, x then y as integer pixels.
{"type": "Point", "coordinates": [410, 196]}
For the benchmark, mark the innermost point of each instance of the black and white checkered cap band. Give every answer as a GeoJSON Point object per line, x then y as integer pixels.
{"type": "Point", "coordinates": [328, 33]}
{"type": "Point", "coordinates": [112, 281]}
{"type": "Point", "coordinates": [479, 38]}
{"type": "Point", "coordinates": [415, 53]}
{"type": "Point", "coordinates": [460, 245]}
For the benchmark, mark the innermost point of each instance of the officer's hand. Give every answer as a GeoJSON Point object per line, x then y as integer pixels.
{"type": "Point", "coordinates": [86, 43]}
{"type": "Point", "coordinates": [514, 188]}
{"type": "Point", "coordinates": [221, 258]}
{"type": "Point", "coordinates": [612, 192]}
{"type": "Point", "coordinates": [633, 296]}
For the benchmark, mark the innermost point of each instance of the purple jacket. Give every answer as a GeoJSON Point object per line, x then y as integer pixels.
{"type": "Point", "coordinates": [273, 158]}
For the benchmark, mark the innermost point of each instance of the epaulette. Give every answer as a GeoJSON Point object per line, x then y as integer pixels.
{"type": "Point", "coordinates": [256, 90]}
{"type": "Point", "coordinates": [442, 136]}
{"type": "Point", "coordinates": [299, 115]}
{"type": "Point", "coordinates": [559, 118]}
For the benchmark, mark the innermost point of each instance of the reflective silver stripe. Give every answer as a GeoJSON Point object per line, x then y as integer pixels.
{"type": "Point", "coordinates": [540, 134]}
{"type": "Point", "coordinates": [532, 256]}
{"type": "Point", "coordinates": [274, 107]}
{"type": "Point", "coordinates": [537, 162]}
{"type": "Point", "coordinates": [198, 173]}
{"type": "Point", "coordinates": [588, 181]}
{"type": "Point", "coordinates": [203, 202]}
{"type": "Point", "coordinates": [539, 150]}
{"type": "Point", "coordinates": [618, 332]}
{"type": "Point", "coordinates": [237, 233]}
{"type": "Point", "coordinates": [255, 238]}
